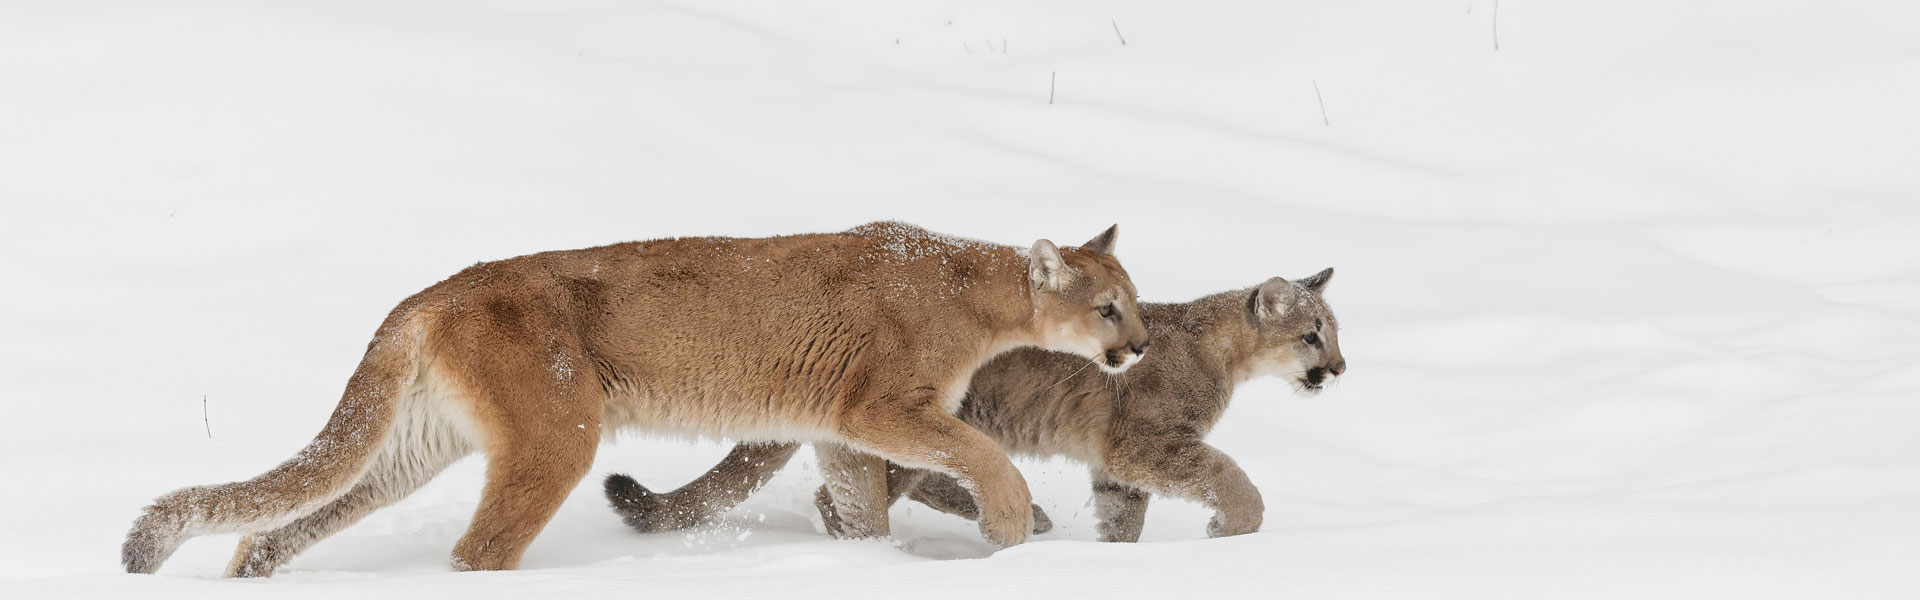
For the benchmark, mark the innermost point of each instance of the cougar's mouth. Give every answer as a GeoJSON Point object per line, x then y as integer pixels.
{"type": "Point", "coordinates": [1314, 381]}
{"type": "Point", "coordinates": [1117, 360]}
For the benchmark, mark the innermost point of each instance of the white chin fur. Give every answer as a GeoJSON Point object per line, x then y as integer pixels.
{"type": "Point", "coordinates": [1124, 365]}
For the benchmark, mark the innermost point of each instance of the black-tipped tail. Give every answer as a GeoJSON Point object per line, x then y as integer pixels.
{"type": "Point", "coordinates": [637, 506]}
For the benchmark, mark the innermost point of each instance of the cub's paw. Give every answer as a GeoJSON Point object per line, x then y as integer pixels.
{"type": "Point", "coordinates": [1222, 525]}
{"type": "Point", "coordinates": [1041, 522]}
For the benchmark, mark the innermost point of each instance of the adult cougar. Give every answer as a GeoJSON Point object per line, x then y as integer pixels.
{"type": "Point", "coordinates": [1142, 433]}
{"type": "Point", "coordinates": [866, 338]}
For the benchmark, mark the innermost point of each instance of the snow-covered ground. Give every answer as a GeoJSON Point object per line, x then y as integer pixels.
{"type": "Point", "coordinates": [1632, 303]}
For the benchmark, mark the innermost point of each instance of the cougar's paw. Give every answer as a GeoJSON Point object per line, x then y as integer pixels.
{"type": "Point", "coordinates": [1008, 526]}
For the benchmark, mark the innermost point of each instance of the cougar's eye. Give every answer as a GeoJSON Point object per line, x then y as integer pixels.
{"type": "Point", "coordinates": [1312, 338]}
{"type": "Point", "coordinates": [1106, 311]}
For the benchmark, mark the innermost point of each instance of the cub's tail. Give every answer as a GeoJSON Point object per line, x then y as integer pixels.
{"type": "Point", "coordinates": [744, 470]}
{"type": "Point", "coordinates": [320, 472]}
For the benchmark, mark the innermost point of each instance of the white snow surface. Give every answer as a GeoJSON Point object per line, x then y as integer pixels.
{"type": "Point", "coordinates": [1632, 303]}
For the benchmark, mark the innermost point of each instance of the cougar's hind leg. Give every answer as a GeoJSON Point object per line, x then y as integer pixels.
{"type": "Point", "coordinates": [422, 444]}
{"type": "Point", "coordinates": [541, 422]}
{"type": "Point", "coordinates": [529, 475]}
{"type": "Point", "coordinates": [261, 553]}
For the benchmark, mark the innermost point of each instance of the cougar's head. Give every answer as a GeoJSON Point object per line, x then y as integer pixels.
{"type": "Point", "coordinates": [1298, 336]}
{"type": "Point", "coordinates": [1085, 304]}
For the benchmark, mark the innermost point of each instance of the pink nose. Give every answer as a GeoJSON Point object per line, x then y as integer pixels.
{"type": "Point", "coordinates": [1339, 366]}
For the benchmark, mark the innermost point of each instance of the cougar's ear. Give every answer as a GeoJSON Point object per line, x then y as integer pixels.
{"type": "Point", "coordinates": [1271, 300]}
{"type": "Point", "coordinates": [1318, 281]}
{"type": "Point", "coordinates": [1103, 243]}
{"type": "Point", "coordinates": [1045, 269]}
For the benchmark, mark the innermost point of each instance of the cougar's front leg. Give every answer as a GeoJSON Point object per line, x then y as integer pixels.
{"type": "Point", "coordinates": [914, 431]}
{"type": "Point", "coordinates": [1195, 471]}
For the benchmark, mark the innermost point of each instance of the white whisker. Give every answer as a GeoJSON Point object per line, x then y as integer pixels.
{"type": "Point", "coordinates": [1075, 373]}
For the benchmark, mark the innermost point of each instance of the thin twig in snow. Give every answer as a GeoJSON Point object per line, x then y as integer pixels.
{"type": "Point", "coordinates": [1116, 31]}
{"type": "Point", "coordinates": [1051, 80]}
{"type": "Point", "coordinates": [1496, 25]}
{"type": "Point", "coordinates": [1323, 104]}
{"type": "Point", "coordinates": [203, 416]}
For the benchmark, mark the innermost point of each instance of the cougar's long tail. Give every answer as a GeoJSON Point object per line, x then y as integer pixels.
{"type": "Point", "coordinates": [744, 470]}
{"type": "Point", "coordinates": [322, 471]}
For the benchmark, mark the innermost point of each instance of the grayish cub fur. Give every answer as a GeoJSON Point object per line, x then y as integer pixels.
{"type": "Point", "coordinates": [1142, 433]}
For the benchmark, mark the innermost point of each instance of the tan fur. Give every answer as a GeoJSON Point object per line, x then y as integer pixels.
{"type": "Point", "coordinates": [864, 338]}
{"type": "Point", "coordinates": [1141, 433]}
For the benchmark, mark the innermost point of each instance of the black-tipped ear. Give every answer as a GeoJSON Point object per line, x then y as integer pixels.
{"type": "Point", "coordinates": [1318, 281]}
{"type": "Point", "coordinates": [1046, 270]}
{"type": "Point", "coordinates": [1270, 300]}
{"type": "Point", "coordinates": [1103, 243]}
